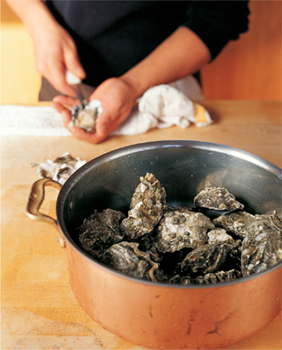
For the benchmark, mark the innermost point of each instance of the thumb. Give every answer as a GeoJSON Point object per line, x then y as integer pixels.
{"type": "Point", "coordinates": [103, 125]}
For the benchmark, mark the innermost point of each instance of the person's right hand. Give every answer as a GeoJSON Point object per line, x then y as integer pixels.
{"type": "Point", "coordinates": [55, 52]}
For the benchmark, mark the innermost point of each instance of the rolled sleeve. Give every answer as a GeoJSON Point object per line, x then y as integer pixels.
{"type": "Point", "coordinates": [217, 22]}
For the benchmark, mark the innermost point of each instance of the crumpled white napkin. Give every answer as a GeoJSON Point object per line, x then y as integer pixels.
{"type": "Point", "coordinates": [161, 106]}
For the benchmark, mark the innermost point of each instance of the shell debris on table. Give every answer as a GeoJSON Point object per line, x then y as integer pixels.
{"type": "Point", "coordinates": [61, 168]}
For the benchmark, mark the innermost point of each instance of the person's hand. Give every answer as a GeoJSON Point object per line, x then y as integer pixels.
{"type": "Point", "coordinates": [55, 52]}
{"type": "Point", "coordinates": [117, 99]}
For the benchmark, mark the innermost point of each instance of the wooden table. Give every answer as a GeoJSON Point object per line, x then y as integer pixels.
{"type": "Point", "coordinates": [39, 310]}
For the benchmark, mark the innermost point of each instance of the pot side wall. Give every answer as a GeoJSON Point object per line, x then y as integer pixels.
{"type": "Point", "coordinates": [162, 317]}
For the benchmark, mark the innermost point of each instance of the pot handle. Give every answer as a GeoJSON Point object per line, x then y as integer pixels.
{"type": "Point", "coordinates": [35, 200]}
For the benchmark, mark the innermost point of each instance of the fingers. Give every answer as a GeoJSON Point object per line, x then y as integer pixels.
{"type": "Point", "coordinates": [66, 100]}
{"type": "Point", "coordinates": [58, 103]}
{"type": "Point", "coordinates": [65, 112]}
{"type": "Point", "coordinates": [54, 54]}
{"type": "Point", "coordinates": [116, 101]}
{"type": "Point", "coordinates": [105, 125]}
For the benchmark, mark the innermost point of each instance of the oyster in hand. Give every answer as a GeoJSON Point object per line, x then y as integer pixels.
{"type": "Point", "coordinates": [85, 116]}
{"type": "Point", "coordinates": [128, 259]}
{"type": "Point", "coordinates": [182, 228]}
{"type": "Point", "coordinates": [100, 230]}
{"type": "Point", "coordinates": [146, 207]}
{"type": "Point", "coordinates": [217, 198]}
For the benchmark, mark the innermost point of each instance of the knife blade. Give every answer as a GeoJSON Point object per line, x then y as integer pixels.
{"type": "Point", "coordinates": [75, 83]}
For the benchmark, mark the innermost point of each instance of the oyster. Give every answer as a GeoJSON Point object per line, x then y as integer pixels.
{"type": "Point", "coordinates": [235, 222]}
{"type": "Point", "coordinates": [204, 259]}
{"type": "Point", "coordinates": [219, 235]}
{"type": "Point", "coordinates": [185, 280]}
{"type": "Point", "coordinates": [182, 228]}
{"type": "Point", "coordinates": [146, 207]}
{"type": "Point", "coordinates": [262, 247]}
{"type": "Point", "coordinates": [85, 115]}
{"type": "Point", "coordinates": [100, 231]}
{"type": "Point", "coordinates": [273, 219]}
{"type": "Point", "coordinates": [220, 276]}
{"type": "Point", "coordinates": [127, 258]}
{"type": "Point", "coordinates": [147, 243]}
{"type": "Point", "coordinates": [218, 198]}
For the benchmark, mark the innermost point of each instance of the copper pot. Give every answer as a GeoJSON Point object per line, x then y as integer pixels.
{"type": "Point", "coordinates": [159, 315]}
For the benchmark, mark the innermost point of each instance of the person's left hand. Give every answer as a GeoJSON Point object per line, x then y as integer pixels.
{"type": "Point", "coordinates": [117, 99]}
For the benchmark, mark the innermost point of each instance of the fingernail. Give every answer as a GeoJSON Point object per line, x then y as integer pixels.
{"type": "Point", "coordinates": [80, 72]}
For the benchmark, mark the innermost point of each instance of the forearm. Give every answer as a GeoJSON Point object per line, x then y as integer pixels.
{"type": "Point", "coordinates": [181, 54]}
{"type": "Point", "coordinates": [32, 13]}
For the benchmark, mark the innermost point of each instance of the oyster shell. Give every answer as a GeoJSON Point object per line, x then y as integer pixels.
{"type": "Point", "coordinates": [182, 228]}
{"type": "Point", "coordinates": [85, 115]}
{"type": "Point", "coordinates": [219, 235]}
{"type": "Point", "coordinates": [146, 207]}
{"type": "Point", "coordinates": [147, 243]}
{"type": "Point", "coordinates": [128, 259]}
{"type": "Point", "coordinates": [262, 247]}
{"type": "Point", "coordinates": [100, 231]}
{"type": "Point", "coordinates": [204, 259]}
{"type": "Point", "coordinates": [218, 198]}
{"type": "Point", "coordinates": [185, 280]}
{"type": "Point", "coordinates": [220, 276]}
{"type": "Point", "coordinates": [235, 222]}
{"type": "Point", "coordinates": [61, 168]}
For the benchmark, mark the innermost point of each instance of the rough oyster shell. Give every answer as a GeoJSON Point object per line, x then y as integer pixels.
{"type": "Point", "coordinates": [100, 230]}
{"type": "Point", "coordinates": [185, 280]}
{"type": "Point", "coordinates": [218, 198]}
{"type": "Point", "coordinates": [182, 228]}
{"type": "Point", "coordinates": [204, 259]}
{"type": "Point", "coordinates": [235, 222]}
{"type": "Point", "coordinates": [220, 276]}
{"type": "Point", "coordinates": [262, 247]}
{"type": "Point", "coordinates": [147, 243]}
{"type": "Point", "coordinates": [127, 258]}
{"type": "Point", "coordinates": [146, 208]}
{"type": "Point", "coordinates": [85, 115]}
{"type": "Point", "coordinates": [219, 235]}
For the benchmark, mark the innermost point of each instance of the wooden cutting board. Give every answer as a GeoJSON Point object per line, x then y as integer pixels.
{"type": "Point", "coordinates": [39, 310]}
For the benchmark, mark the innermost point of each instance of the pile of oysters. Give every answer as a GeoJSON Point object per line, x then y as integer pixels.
{"type": "Point", "coordinates": [183, 245]}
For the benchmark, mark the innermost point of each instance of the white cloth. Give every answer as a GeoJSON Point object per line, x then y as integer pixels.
{"type": "Point", "coordinates": [161, 106]}
{"type": "Point", "coordinates": [22, 120]}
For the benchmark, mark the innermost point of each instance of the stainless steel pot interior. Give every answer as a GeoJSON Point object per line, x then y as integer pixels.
{"type": "Point", "coordinates": [182, 167]}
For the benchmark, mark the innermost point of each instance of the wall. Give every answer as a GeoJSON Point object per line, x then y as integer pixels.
{"type": "Point", "coordinates": [250, 68]}
{"type": "Point", "coordinates": [20, 82]}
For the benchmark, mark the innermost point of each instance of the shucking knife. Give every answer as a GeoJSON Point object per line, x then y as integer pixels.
{"type": "Point", "coordinates": [75, 83]}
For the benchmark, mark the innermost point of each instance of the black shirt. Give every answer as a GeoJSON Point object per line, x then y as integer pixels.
{"type": "Point", "coordinates": [113, 36]}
